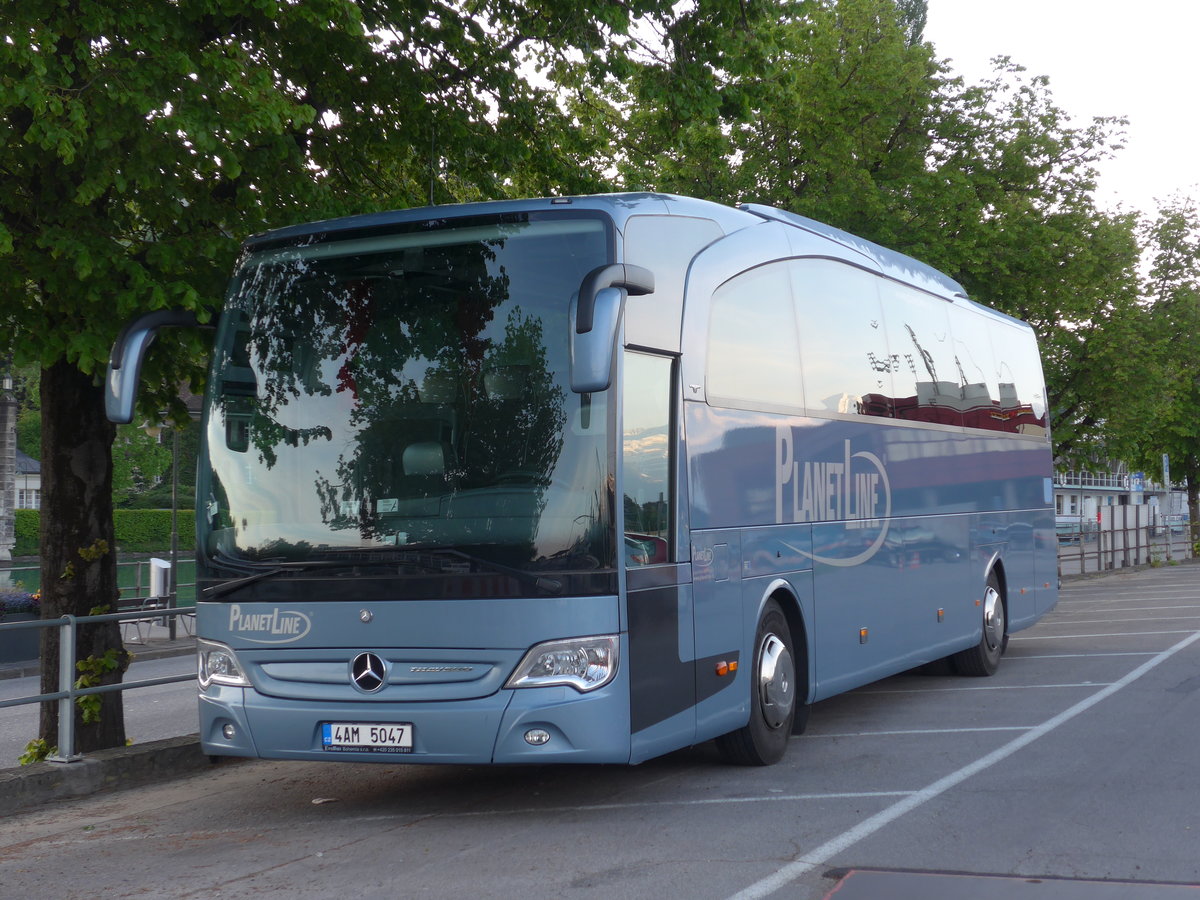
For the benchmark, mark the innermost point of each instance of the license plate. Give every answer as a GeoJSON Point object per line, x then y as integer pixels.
{"type": "Point", "coordinates": [370, 737]}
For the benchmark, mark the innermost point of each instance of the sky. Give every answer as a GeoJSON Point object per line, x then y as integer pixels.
{"type": "Point", "coordinates": [1138, 59]}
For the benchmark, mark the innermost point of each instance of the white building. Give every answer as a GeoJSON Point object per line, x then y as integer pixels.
{"type": "Point", "coordinates": [28, 482]}
{"type": "Point", "coordinates": [1082, 495]}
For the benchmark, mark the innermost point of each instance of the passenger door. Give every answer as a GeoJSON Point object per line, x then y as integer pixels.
{"type": "Point", "coordinates": [658, 593]}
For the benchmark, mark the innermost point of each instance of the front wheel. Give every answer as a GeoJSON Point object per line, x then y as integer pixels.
{"type": "Point", "coordinates": [772, 696]}
{"type": "Point", "coordinates": [984, 658]}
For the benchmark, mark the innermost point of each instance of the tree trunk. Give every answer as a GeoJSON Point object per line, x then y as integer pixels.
{"type": "Point", "coordinates": [78, 552]}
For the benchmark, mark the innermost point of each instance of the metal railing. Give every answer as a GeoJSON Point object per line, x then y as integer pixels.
{"type": "Point", "coordinates": [1093, 550]}
{"type": "Point", "coordinates": [140, 579]}
{"type": "Point", "coordinates": [67, 693]}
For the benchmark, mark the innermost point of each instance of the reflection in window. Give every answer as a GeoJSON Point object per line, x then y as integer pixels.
{"type": "Point", "coordinates": [1022, 393]}
{"type": "Point", "coordinates": [753, 355]}
{"type": "Point", "coordinates": [847, 365]}
{"type": "Point", "coordinates": [927, 382]}
{"type": "Point", "coordinates": [409, 389]}
{"type": "Point", "coordinates": [646, 452]}
{"type": "Point", "coordinates": [827, 338]}
{"type": "Point", "coordinates": [976, 370]}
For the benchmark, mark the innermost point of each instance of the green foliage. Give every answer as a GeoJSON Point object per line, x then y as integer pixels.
{"type": "Point", "coordinates": [157, 495]}
{"type": "Point", "coordinates": [139, 460]}
{"type": "Point", "coordinates": [27, 524]}
{"type": "Point", "coordinates": [36, 751]}
{"type": "Point", "coordinates": [91, 673]}
{"type": "Point", "coordinates": [1173, 290]}
{"type": "Point", "coordinates": [147, 530]}
{"type": "Point", "coordinates": [137, 531]}
{"type": "Point", "coordinates": [838, 111]}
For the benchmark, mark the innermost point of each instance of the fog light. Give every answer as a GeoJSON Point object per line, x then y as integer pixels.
{"type": "Point", "coordinates": [537, 736]}
{"type": "Point", "coordinates": [229, 731]}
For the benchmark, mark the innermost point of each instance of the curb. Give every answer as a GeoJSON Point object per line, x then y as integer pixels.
{"type": "Point", "coordinates": [114, 769]}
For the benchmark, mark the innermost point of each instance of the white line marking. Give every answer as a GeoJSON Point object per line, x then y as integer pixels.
{"type": "Point", "coordinates": [855, 734]}
{"type": "Point", "coordinates": [1076, 655]}
{"type": "Point", "coordinates": [824, 853]}
{"type": "Point", "coordinates": [1124, 597]}
{"type": "Point", "coordinates": [1124, 589]}
{"type": "Point", "coordinates": [1131, 609]}
{"type": "Point", "coordinates": [1111, 621]}
{"type": "Point", "coordinates": [1056, 637]}
{"type": "Point", "coordinates": [998, 687]}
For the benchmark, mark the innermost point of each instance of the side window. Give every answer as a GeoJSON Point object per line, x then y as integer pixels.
{"type": "Point", "coordinates": [928, 387]}
{"type": "Point", "coordinates": [753, 356]}
{"type": "Point", "coordinates": [646, 450]}
{"type": "Point", "coordinates": [846, 362]}
{"type": "Point", "coordinates": [977, 371]}
{"type": "Point", "coordinates": [1022, 392]}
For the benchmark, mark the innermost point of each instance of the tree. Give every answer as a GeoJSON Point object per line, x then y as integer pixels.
{"type": "Point", "coordinates": [1007, 207]}
{"type": "Point", "coordinates": [1173, 290]}
{"type": "Point", "coordinates": [838, 110]}
{"type": "Point", "coordinates": [821, 107]}
{"type": "Point", "coordinates": [139, 141]}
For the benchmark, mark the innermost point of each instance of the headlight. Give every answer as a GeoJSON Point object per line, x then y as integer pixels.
{"type": "Point", "coordinates": [217, 664]}
{"type": "Point", "coordinates": [582, 663]}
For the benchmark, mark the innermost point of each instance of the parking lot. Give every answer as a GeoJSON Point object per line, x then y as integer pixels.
{"type": "Point", "coordinates": [1076, 762]}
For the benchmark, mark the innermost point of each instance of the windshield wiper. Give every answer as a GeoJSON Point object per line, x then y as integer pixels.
{"type": "Point", "coordinates": [403, 554]}
{"type": "Point", "coordinates": [388, 557]}
{"type": "Point", "coordinates": [228, 587]}
{"type": "Point", "coordinates": [280, 568]}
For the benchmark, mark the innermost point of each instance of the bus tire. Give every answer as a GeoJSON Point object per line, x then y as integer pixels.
{"type": "Point", "coordinates": [763, 740]}
{"type": "Point", "coordinates": [984, 658]}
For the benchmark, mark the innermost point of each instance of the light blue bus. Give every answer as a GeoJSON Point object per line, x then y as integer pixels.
{"type": "Point", "coordinates": [587, 480]}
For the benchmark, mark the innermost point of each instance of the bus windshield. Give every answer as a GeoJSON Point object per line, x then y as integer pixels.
{"type": "Point", "coordinates": [404, 397]}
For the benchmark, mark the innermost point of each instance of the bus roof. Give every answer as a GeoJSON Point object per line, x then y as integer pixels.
{"type": "Point", "coordinates": [897, 265]}
{"type": "Point", "coordinates": [621, 207]}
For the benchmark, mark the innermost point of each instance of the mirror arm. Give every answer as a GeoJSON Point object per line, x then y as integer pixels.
{"type": "Point", "coordinates": [125, 360]}
{"type": "Point", "coordinates": [163, 318]}
{"type": "Point", "coordinates": [635, 280]}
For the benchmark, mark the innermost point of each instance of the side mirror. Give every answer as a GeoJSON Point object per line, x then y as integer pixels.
{"type": "Point", "coordinates": [595, 319]}
{"type": "Point", "coordinates": [125, 361]}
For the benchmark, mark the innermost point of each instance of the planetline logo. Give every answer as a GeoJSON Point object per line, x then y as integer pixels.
{"type": "Point", "coordinates": [277, 626]}
{"type": "Point", "coordinates": [860, 495]}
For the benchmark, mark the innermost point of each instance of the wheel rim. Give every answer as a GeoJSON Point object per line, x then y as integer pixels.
{"type": "Point", "coordinates": [993, 618]}
{"type": "Point", "coordinates": [776, 680]}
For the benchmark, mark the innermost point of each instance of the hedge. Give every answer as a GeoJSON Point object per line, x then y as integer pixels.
{"type": "Point", "coordinates": [137, 530]}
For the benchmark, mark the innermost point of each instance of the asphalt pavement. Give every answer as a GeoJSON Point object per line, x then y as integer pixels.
{"type": "Point", "coordinates": [124, 767]}
{"type": "Point", "coordinates": [1068, 776]}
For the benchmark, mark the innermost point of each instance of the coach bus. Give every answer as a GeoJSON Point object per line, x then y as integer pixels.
{"type": "Point", "coordinates": [587, 480]}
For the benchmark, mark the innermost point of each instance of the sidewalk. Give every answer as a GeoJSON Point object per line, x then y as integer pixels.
{"type": "Point", "coordinates": [27, 787]}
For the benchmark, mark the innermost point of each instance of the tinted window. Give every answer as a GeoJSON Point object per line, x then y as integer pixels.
{"type": "Point", "coordinates": [927, 382]}
{"type": "Point", "coordinates": [753, 356]}
{"type": "Point", "coordinates": [646, 451]}
{"type": "Point", "coordinates": [977, 370]}
{"type": "Point", "coordinates": [845, 358]}
{"type": "Point", "coordinates": [408, 392]}
{"type": "Point", "coordinates": [1022, 393]}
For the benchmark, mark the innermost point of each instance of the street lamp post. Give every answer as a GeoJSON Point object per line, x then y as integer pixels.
{"type": "Point", "coordinates": [174, 595]}
{"type": "Point", "coordinates": [8, 467]}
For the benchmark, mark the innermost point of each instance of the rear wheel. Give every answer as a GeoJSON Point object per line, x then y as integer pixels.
{"type": "Point", "coordinates": [773, 698]}
{"type": "Point", "coordinates": [984, 658]}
